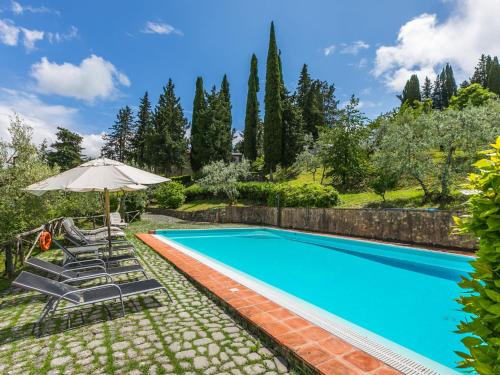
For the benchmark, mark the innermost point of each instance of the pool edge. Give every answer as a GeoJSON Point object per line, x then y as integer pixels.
{"type": "Point", "coordinates": [319, 350]}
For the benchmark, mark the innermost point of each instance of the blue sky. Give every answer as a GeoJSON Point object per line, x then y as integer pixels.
{"type": "Point", "coordinates": [74, 64]}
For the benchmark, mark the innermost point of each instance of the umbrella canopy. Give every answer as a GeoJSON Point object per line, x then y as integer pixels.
{"type": "Point", "coordinates": [98, 175]}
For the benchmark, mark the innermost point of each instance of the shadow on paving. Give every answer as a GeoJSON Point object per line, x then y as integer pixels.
{"type": "Point", "coordinates": [74, 318]}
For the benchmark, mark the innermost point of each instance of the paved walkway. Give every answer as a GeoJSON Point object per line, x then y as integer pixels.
{"type": "Point", "coordinates": [191, 336]}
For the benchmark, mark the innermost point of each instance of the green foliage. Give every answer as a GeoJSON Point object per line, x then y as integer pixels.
{"type": "Point", "coordinates": [256, 192]}
{"type": "Point", "coordinates": [198, 147]}
{"type": "Point", "coordinates": [170, 194]}
{"type": "Point", "coordinates": [273, 116]}
{"type": "Point", "coordinates": [472, 95]}
{"type": "Point", "coordinates": [411, 91]}
{"type": "Point", "coordinates": [185, 180]}
{"type": "Point", "coordinates": [427, 89]}
{"type": "Point", "coordinates": [21, 165]}
{"type": "Point", "coordinates": [221, 178]}
{"type": "Point", "coordinates": [197, 192]}
{"type": "Point", "coordinates": [170, 146]}
{"type": "Point", "coordinates": [494, 76]}
{"type": "Point", "coordinates": [250, 147]}
{"type": "Point", "coordinates": [308, 195]}
{"type": "Point", "coordinates": [293, 130]}
{"type": "Point", "coordinates": [66, 150]}
{"type": "Point", "coordinates": [444, 88]}
{"type": "Point", "coordinates": [482, 287]}
{"type": "Point", "coordinates": [342, 151]}
{"type": "Point", "coordinates": [382, 181]}
{"type": "Point", "coordinates": [143, 140]}
{"type": "Point", "coordinates": [118, 143]}
{"type": "Point", "coordinates": [136, 200]}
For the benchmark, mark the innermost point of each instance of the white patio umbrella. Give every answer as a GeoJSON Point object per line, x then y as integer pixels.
{"type": "Point", "coordinates": [101, 174]}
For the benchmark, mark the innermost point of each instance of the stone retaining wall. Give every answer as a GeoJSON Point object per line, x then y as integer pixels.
{"type": "Point", "coordinates": [400, 225]}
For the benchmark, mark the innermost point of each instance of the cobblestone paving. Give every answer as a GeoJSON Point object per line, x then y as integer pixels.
{"type": "Point", "coordinates": [190, 336]}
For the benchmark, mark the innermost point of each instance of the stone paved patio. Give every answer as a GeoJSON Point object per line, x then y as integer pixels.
{"type": "Point", "coordinates": [191, 336]}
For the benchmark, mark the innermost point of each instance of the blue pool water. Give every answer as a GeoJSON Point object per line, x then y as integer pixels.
{"type": "Point", "coordinates": [402, 294]}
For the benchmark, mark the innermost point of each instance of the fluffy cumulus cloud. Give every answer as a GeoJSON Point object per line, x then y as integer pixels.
{"type": "Point", "coordinates": [425, 43]}
{"type": "Point", "coordinates": [94, 78]}
{"type": "Point", "coordinates": [160, 28]}
{"type": "Point", "coordinates": [354, 48]}
{"type": "Point", "coordinates": [43, 118]}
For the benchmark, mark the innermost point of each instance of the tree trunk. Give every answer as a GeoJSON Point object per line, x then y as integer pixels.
{"type": "Point", "coordinates": [424, 188]}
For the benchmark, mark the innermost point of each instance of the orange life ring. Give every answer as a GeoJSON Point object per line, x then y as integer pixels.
{"type": "Point", "coordinates": [45, 240]}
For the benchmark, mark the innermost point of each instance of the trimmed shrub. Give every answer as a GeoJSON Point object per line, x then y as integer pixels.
{"type": "Point", "coordinates": [308, 195]}
{"type": "Point", "coordinates": [195, 192]}
{"type": "Point", "coordinates": [257, 192]}
{"type": "Point", "coordinates": [170, 195]}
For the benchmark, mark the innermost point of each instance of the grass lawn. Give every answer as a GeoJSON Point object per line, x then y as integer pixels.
{"type": "Point", "coordinates": [409, 197]}
{"type": "Point", "coordinates": [206, 204]}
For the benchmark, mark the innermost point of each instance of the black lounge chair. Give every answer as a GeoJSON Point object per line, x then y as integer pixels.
{"type": "Point", "coordinates": [74, 260]}
{"type": "Point", "coordinates": [77, 297]}
{"type": "Point", "coordinates": [84, 272]}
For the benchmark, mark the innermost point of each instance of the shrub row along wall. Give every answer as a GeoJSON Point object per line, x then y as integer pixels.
{"type": "Point", "coordinates": [399, 225]}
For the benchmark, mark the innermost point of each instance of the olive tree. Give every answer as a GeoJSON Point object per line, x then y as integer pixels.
{"type": "Point", "coordinates": [219, 177]}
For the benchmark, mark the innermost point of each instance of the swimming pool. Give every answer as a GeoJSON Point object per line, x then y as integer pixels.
{"type": "Point", "coordinates": [399, 298]}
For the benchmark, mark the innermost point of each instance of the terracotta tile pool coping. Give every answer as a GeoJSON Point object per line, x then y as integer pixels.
{"type": "Point", "coordinates": [320, 350]}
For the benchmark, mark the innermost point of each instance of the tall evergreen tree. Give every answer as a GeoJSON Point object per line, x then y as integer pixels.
{"type": "Point", "coordinates": [448, 85]}
{"type": "Point", "coordinates": [437, 94]}
{"type": "Point", "coordinates": [303, 87]}
{"type": "Point", "coordinates": [198, 146]}
{"type": "Point", "coordinates": [427, 89]}
{"type": "Point", "coordinates": [225, 132]}
{"type": "Point", "coordinates": [273, 116]}
{"type": "Point", "coordinates": [312, 109]}
{"type": "Point", "coordinates": [118, 143]}
{"type": "Point", "coordinates": [481, 72]}
{"type": "Point", "coordinates": [170, 128]}
{"type": "Point", "coordinates": [143, 138]}
{"type": "Point", "coordinates": [494, 76]}
{"type": "Point", "coordinates": [66, 150]}
{"type": "Point", "coordinates": [293, 130]}
{"type": "Point", "coordinates": [411, 91]}
{"type": "Point", "coordinates": [252, 113]}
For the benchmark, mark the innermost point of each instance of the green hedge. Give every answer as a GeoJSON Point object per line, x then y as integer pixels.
{"type": "Point", "coordinates": [265, 193]}
{"type": "Point", "coordinates": [170, 194]}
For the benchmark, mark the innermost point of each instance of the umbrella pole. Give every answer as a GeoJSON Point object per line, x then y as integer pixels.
{"type": "Point", "coordinates": [108, 220]}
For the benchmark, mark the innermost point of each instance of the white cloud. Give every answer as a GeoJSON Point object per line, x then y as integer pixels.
{"type": "Point", "coordinates": [424, 44]}
{"type": "Point", "coordinates": [31, 37]}
{"type": "Point", "coordinates": [327, 51]}
{"type": "Point", "coordinates": [160, 28]}
{"type": "Point", "coordinates": [61, 37]}
{"type": "Point", "coordinates": [18, 9]}
{"type": "Point", "coordinates": [43, 118]}
{"type": "Point", "coordinates": [9, 35]}
{"type": "Point", "coordinates": [354, 48]}
{"type": "Point", "coordinates": [94, 78]}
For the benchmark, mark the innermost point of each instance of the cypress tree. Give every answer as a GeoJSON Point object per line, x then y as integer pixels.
{"type": "Point", "coordinates": [142, 142]}
{"type": "Point", "coordinates": [293, 130]}
{"type": "Point", "coordinates": [226, 125]}
{"type": "Point", "coordinates": [197, 154]}
{"type": "Point", "coordinates": [494, 76]}
{"type": "Point", "coordinates": [427, 89]}
{"type": "Point", "coordinates": [273, 117]}
{"type": "Point", "coordinates": [411, 91]}
{"type": "Point", "coordinates": [214, 117]}
{"type": "Point", "coordinates": [312, 111]}
{"type": "Point", "coordinates": [252, 113]}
